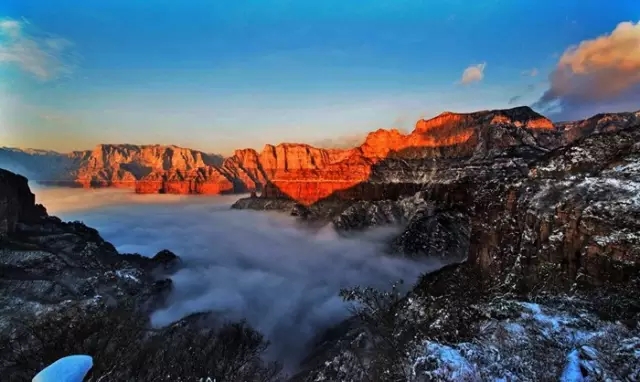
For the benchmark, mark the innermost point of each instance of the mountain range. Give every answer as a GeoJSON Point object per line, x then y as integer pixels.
{"type": "Point", "coordinates": [535, 225]}
{"type": "Point", "coordinates": [303, 172]}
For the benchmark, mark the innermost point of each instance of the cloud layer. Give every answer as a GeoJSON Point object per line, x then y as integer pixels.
{"type": "Point", "coordinates": [261, 266]}
{"type": "Point", "coordinates": [602, 74]}
{"type": "Point", "coordinates": [473, 73]}
{"type": "Point", "coordinates": [44, 57]}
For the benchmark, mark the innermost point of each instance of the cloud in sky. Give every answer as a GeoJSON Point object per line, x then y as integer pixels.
{"type": "Point", "coordinates": [342, 142]}
{"type": "Point", "coordinates": [514, 99]}
{"type": "Point", "coordinates": [44, 57]}
{"type": "Point", "coordinates": [517, 98]}
{"type": "Point", "coordinates": [473, 73]}
{"type": "Point", "coordinates": [601, 74]}
{"type": "Point", "coordinates": [530, 73]}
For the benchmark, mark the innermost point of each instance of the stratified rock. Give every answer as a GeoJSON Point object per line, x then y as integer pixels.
{"type": "Point", "coordinates": [308, 174]}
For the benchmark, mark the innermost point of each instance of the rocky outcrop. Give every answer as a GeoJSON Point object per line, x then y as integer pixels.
{"type": "Point", "coordinates": [64, 290]}
{"type": "Point", "coordinates": [549, 284]}
{"type": "Point", "coordinates": [48, 267]}
{"type": "Point", "coordinates": [201, 180]}
{"type": "Point", "coordinates": [365, 172]}
{"type": "Point", "coordinates": [573, 211]}
{"type": "Point", "coordinates": [308, 174]}
{"type": "Point", "coordinates": [123, 165]}
{"type": "Point", "coordinates": [17, 202]}
{"type": "Point", "coordinates": [45, 262]}
{"type": "Point", "coordinates": [107, 165]}
{"type": "Point", "coordinates": [440, 337]}
{"type": "Point", "coordinates": [599, 123]}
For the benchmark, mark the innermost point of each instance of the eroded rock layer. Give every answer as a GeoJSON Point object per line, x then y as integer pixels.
{"type": "Point", "coordinates": [309, 174]}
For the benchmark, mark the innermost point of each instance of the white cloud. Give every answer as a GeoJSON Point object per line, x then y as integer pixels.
{"type": "Point", "coordinates": [530, 73]}
{"type": "Point", "coordinates": [603, 72]}
{"type": "Point", "coordinates": [10, 27]}
{"type": "Point", "coordinates": [44, 57]}
{"type": "Point", "coordinates": [473, 73]}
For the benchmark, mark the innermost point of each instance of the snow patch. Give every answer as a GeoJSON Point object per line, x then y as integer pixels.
{"type": "Point", "coordinates": [128, 274]}
{"type": "Point", "coordinates": [443, 363]}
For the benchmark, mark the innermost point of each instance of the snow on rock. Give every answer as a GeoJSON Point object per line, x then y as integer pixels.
{"type": "Point", "coordinates": [526, 341]}
{"type": "Point", "coordinates": [443, 363]}
{"type": "Point", "coordinates": [129, 274]}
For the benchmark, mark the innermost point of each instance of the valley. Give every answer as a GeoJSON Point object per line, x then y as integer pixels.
{"type": "Point", "coordinates": [524, 224]}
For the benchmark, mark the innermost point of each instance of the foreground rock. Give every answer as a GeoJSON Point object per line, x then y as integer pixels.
{"type": "Point", "coordinates": [47, 263]}
{"type": "Point", "coordinates": [64, 290]}
{"type": "Point", "coordinates": [554, 338]}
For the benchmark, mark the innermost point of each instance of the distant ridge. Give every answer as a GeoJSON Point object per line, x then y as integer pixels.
{"type": "Point", "coordinates": [156, 168]}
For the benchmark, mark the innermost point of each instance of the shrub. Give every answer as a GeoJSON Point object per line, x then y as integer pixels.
{"type": "Point", "coordinates": [124, 347]}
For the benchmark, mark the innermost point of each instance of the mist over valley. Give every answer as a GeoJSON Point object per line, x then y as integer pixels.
{"type": "Point", "coordinates": [265, 267]}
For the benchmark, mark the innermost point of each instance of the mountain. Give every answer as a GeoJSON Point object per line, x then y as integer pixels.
{"type": "Point", "coordinates": [308, 174]}
{"type": "Point", "coordinates": [548, 262]}
{"type": "Point", "coordinates": [107, 165]}
{"type": "Point", "coordinates": [389, 163]}
{"type": "Point", "coordinates": [539, 230]}
{"type": "Point", "coordinates": [64, 290]}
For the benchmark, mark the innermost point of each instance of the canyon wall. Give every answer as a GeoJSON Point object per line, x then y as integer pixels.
{"type": "Point", "coordinates": [308, 174]}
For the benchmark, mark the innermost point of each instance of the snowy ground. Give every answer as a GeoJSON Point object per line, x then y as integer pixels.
{"type": "Point", "coordinates": [534, 342]}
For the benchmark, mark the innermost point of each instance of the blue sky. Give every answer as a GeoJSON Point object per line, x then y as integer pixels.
{"type": "Point", "coordinates": [218, 75]}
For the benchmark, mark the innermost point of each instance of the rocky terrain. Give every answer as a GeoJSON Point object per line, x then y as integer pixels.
{"type": "Point", "coordinates": [549, 251]}
{"type": "Point", "coordinates": [108, 165]}
{"type": "Point", "coordinates": [64, 290]}
{"type": "Point", "coordinates": [309, 174]}
{"type": "Point", "coordinates": [172, 169]}
{"type": "Point", "coordinates": [540, 221]}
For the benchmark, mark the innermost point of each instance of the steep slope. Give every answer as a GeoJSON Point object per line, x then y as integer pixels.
{"type": "Point", "coordinates": [64, 290]}
{"type": "Point", "coordinates": [374, 169]}
{"type": "Point", "coordinates": [389, 164]}
{"type": "Point", "coordinates": [549, 276]}
{"type": "Point", "coordinates": [45, 262]}
{"type": "Point", "coordinates": [599, 123]}
{"type": "Point", "coordinates": [122, 165]}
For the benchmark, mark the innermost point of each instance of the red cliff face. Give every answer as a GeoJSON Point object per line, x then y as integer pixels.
{"type": "Point", "coordinates": [299, 171]}
{"type": "Point", "coordinates": [203, 180]}
{"type": "Point", "coordinates": [123, 165]}
{"type": "Point", "coordinates": [449, 134]}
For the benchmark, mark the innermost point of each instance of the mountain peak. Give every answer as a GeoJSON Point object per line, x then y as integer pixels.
{"type": "Point", "coordinates": [521, 116]}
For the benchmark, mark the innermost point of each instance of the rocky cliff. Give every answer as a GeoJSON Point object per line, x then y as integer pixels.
{"type": "Point", "coordinates": [549, 265]}
{"type": "Point", "coordinates": [107, 165]}
{"type": "Point", "coordinates": [364, 173]}
{"type": "Point", "coordinates": [45, 262]}
{"type": "Point", "coordinates": [17, 203]}
{"type": "Point", "coordinates": [64, 290]}
{"type": "Point", "coordinates": [308, 174]}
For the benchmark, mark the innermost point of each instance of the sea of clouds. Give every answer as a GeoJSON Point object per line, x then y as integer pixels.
{"type": "Point", "coordinates": [281, 277]}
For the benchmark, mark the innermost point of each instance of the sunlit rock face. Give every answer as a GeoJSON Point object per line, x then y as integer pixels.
{"type": "Point", "coordinates": [546, 286]}
{"type": "Point", "coordinates": [308, 174]}
{"type": "Point", "coordinates": [376, 169]}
